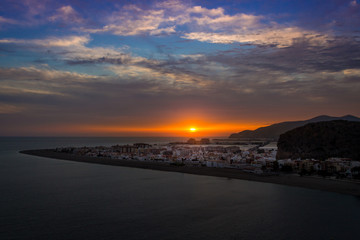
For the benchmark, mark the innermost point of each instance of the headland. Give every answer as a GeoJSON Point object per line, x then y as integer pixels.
{"type": "Point", "coordinates": [315, 183]}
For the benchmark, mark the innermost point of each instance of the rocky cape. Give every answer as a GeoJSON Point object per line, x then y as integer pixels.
{"type": "Point", "coordinates": [275, 130]}
{"type": "Point", "coordinates": [321, 140]}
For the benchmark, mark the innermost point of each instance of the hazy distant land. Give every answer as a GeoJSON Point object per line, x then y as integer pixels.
{"type": "Point", "coordinates": [316, 183]}
{"type": "Point", "coordinates": [275, 130]}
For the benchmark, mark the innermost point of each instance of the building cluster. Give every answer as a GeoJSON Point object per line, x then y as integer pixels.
{"type": "Point", "coordinates": [339, 167]}
{"type": "Point", "coordinates": [248, 158]}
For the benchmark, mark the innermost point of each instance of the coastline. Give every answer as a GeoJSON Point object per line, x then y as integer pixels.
{"type": "Point", "coordinates": [342, 187]}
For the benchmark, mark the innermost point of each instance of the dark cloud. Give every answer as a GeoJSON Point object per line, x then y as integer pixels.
{"type": "Point", "coordinates": [318, 73]}
{"type": "Point", "coordinates": [335, 55]}
{"type": "Point", "coordinates": [116, 61]}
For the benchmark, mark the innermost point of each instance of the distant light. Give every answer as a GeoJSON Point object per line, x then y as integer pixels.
{"type": "Point", "coordinates": [192, 129]}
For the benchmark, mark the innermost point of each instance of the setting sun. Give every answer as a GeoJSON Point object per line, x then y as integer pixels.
{"type": "Point", "coordinates": [192, 129]}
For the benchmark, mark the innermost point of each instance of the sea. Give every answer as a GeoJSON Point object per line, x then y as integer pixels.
{"type": "Point", "coordinates": [43, 198]}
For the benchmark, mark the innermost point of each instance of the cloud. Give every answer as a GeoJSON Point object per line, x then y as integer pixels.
{"type": "Point", "coordinates": [353, 3]}
{"type": "Point", "coordinates": [7, 20]}
{"type": "Point", "coordinates": [301, 57]}
{"type": "Point", "coordinates": [27, 88]}
{"type": "Point", "coordinates": [269, 68]}
{"type": "Point", "coordinates": [282, 37]}
{"type": "Point", "coordinates": [38, 13]}
{"type": "Point", "coordinates": [67, 14]}
{"type": "Point", "coordinates": [202, 71]}
{"type": "Point", "coordinates": [207, 25]}
{"type": "Point", "coordinates": [165, 78]}
{"type": "Point", "coordinates": [35, 7]}
{"type": "Point", "coordinates": [216, 19]}
{"type": "Point", "coordinates": [132, 20]}
{"type": "Point", "coordinates": [28, 12]}
{"type": "Point", "coordinates": [42, 81]}
{"type": "Point", "coordinates": [73, 50]}
{"type": "Point", "coordinates": [50, 42]}
{"type": "Point", "coordinates": [352, 72]}
{"type": "Point", "coordinates": [304, 67]}
{"type": "Point", "coordinates": [9, 109]}
{"type": "Point", "coordinates": [212, 90]}
{"type": "Point", "coordinates": [193, 22]}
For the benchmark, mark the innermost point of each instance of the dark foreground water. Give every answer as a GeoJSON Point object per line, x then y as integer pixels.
{"type": "Point", "coordinates": [53, 199]}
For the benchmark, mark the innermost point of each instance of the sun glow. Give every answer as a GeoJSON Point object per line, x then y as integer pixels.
{"type": "Point", "coordinates": [177, 129]}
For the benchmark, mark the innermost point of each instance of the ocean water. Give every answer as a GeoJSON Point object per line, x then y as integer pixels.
{"type": "Point", "coordinates": [43, 198]}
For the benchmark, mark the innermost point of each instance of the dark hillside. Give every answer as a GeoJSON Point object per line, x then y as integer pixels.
{"type": "Point", "coordinates": [275, 130]}
{"type": "Point", "coordinates": [321, 140]}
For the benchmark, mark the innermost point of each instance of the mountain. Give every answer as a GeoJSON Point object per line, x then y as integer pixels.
{"type": "Point", "coordinates": [275, 130]}
{"type": "Point", "coordinates": [321, 140]}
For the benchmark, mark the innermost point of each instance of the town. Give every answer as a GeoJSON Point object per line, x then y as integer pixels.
{"type": "Point", "coordinates": [258, 157]}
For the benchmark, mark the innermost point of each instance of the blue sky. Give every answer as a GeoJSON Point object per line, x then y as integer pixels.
{"type": "Point", "coordinates": [158, 67]}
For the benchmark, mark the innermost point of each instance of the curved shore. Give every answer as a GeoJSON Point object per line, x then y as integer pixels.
{"type": "Point", "coordinates": [343, 187]}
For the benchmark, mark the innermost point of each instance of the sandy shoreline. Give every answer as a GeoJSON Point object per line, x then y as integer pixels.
{"type": "Point", "coordinates": [343, 187]}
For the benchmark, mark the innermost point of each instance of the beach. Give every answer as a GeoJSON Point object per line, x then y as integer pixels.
{"type": "Point", "coordinates": [310, 182]}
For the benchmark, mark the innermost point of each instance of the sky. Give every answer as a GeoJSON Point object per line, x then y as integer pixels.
{"type": "Point", "coordinates": [159, 68]}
